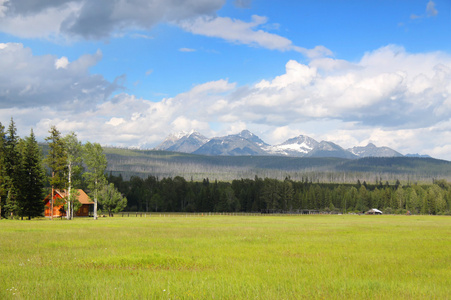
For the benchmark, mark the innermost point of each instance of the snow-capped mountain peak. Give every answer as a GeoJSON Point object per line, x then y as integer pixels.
{"type": "Point", "coordinates": [186, 142]}
{"type": "Point", "coordinates": [246, 134]}
{"type": "Point", "coordinates": [243, 143]}
{"type": "Point", "coordinates": [247, 143]}
{"type": "Point", "coordinates": [329, 149]}
{"type": "Point", "coordinates": [297, 146]}
{"type": "Point", "coordinates": [372, 150]}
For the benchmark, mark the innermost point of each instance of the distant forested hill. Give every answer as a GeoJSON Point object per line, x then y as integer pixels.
{"type": "Point", "coordinates": [142, 163]}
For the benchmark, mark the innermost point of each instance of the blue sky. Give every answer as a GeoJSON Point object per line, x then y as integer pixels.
{"type": "Point", "coordinates": [128, 73]}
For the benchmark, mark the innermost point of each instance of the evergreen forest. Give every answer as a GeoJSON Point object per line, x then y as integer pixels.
{"type": "Point", "coordinates": [30, 171]}
{"type": "Point", "coordinates": [268, 195]}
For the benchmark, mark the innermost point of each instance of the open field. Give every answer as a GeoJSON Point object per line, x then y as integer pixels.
{"type": "Point", "coordinates": [227, 257]}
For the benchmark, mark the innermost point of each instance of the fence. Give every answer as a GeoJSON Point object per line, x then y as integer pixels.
{"type": "Point", "coordinates": [204, 214]}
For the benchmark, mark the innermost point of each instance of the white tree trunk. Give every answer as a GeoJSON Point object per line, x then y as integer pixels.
{"type": "Point", "coordinates": [69, 208]}
{"type": "Point", "coordinates": [95, 208]}
{"type": "Point", "coordinates": [95, 201]}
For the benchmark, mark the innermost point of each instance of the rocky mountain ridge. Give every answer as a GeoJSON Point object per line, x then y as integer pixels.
{"type": "Point", "coordinates": [186, 142]}
{"type": "Point", "coordinates": [246, 143]}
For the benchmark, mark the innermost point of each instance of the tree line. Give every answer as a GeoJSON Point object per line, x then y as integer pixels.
{"type": "Point", "coordinates": [27, 175]}
{"type": "Point", "coordinates": [272, 195]}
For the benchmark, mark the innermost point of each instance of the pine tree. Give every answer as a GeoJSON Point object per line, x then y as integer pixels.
{"type": "Point", "coordinates": [12, 169]}
{"type": "Point", "coordinates": [30, 202]}
{"type": "Point", "coordinates": [96, 163]}
{"type": "Point", "coordinates": [287, 194]}
{"type": "Point", "coordinates": [2, 169]}
{"type": "Point", "coordinates": [56, 160]}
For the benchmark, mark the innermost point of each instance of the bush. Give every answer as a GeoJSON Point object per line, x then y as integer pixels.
{"type": "Point", "coordinates": [388, 210]}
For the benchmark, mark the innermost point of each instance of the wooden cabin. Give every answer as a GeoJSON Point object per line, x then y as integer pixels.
{"type": "Point", "coordinates": [86, 209]}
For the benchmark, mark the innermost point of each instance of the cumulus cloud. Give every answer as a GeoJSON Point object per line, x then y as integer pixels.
{"type": "Point", "coordinates": [390, 97]}
{"type": "Point", "coordinates": [380, 89]}
{"type": "Point", "coordinates": [95, 19]}
{"type": "Point", "coordinates": [62, 62]}
{"type": "Point", "coordinates": [34, 81]}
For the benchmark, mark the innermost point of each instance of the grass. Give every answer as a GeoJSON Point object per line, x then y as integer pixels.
{"type": "Point", "coordinates": [227, 257]}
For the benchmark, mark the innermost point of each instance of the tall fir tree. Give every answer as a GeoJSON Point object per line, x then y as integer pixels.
{"type": "Point", "coordinates": [2, 169]}
{"type": "Point", "coordinates": [12, 166]}
{"type": "Point", "coordinates": [96, 163]}
{"type": "Point", "coordinates": [31, 193]}
{"type": "Point", "coordinates": [56, 160]}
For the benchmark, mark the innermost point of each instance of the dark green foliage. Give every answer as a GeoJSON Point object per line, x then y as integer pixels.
{"type": "Point", "coordinates": [56, 159]}
{"type": "Point", "coordinates": [31, 193]}
{"type": "Point", "coordinates": [111, 199]}
{"type": "Point", "coordinates": [12, 164]}
{"type": "Point", "coordinates": [21, 175]}
{"type": "Point", "coordinates": [272, 195]}
{"type": "Point", "coordinates": [2, 169]}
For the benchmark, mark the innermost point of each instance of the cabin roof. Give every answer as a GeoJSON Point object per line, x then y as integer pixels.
{"type": "Point", "coordinates": [82, 196]}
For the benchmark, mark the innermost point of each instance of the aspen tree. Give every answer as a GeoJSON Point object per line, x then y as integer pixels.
{"type": "Point", "coordinates": [74, 169]}
{"type": "Point", "coordinates": [96, 163]}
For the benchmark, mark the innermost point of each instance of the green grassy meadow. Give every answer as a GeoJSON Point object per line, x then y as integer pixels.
{"type": "Point", "coordinates": [227, 257]}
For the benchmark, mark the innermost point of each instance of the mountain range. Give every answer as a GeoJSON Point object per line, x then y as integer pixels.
{"type": "Point", "coordinates": [246, 143]}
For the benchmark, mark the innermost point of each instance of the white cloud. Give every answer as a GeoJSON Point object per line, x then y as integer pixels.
{"type": "Point", "coordinates": [75, 19]}
{"type": "Point", "coordinates": [390, 97]}
{"type": "Point", "coordinates": [187, 50]}
{"type": "Point", "coordinates": [62, 62]}
{"type": "Point", "coordinates": [247, 33]}
{"type": "Point", "coordinates": [65, 85]}
{"type": "Point", "coordinates": [95, 19]}
{"type": "Point", "coordinates": [45, 23]}
{"type": "Point", "coordinates": [243, 3]}
{"type": "Point", "coordinates": [414, 17]}
{"type": "Point", "coordinates": [3, 7]}
{"type": "Point", "coordinates": [430, 9]}
{"type": "Point", "coordinates": [296, 73]}
{"type": "Point", "coordinates": [142, 36]}
{"type": "Point", "coordinates": [284, 133]}
{"type": "Point", "coordinates": [115, 121]}
{"type": "Point", "coordinates": [237, 31]}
